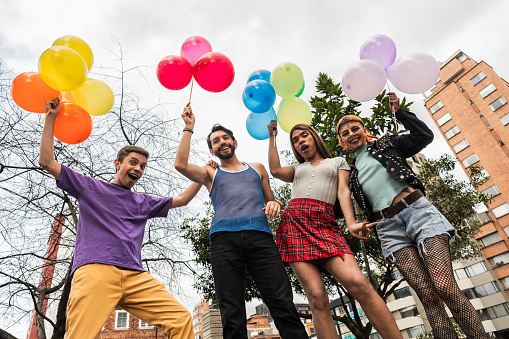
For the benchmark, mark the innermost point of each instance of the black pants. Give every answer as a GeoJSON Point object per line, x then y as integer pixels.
{"type": "Point", "coordinates": [231, 252]}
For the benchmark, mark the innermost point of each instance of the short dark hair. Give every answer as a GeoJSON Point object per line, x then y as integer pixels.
{"type": "Point", "coordinates": [124, 151]}
{"type": "Point", "coordinates": [218, 127]}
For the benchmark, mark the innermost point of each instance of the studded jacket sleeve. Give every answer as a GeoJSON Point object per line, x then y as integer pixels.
{"type": "Point", "coordinates": [419, 137]}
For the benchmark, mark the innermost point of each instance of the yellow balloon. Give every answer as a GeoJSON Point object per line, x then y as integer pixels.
{"type": "Point", "coordinates": [293, 111]}
{"type": "Point", "coordinates": [95, 97]}
{"type": "Point", "coordinates": [287, 79]}
{"type": "Point", "coordinates": [62, 68]}
{"type": "Point", "coordinates": [79, 45]}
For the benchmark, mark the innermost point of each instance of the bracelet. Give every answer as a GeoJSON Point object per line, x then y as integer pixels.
{"type": "Point", "coordinates": [280, 203]}
{"type": "Point", "coordinates": [188, 130]}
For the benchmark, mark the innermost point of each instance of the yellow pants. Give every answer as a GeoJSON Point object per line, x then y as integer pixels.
{"type": "Point", "coordinates": [96, 289]}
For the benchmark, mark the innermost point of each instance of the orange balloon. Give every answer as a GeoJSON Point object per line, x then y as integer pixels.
{"type": "Point", "coordinates": [30, 92]}
{"type": "Point", "coordinates": [67, 97]}
{"type": "Point", "coordinates": [73, 124]}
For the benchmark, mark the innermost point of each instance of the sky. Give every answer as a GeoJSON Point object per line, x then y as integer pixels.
{"type": "Point", "coordinates": [318, 36]}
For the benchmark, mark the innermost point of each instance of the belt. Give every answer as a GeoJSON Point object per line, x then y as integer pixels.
{"type": "Point", "coordinates": [399, 206]}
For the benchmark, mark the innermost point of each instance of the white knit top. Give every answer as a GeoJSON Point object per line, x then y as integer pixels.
{"type": "Point", "coordinates": [318, 182]}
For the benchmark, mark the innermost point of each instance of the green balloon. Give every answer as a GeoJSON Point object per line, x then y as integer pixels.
{"type": "Point", "coordinates": [287, 79]}
{"type": "Point", "coordinates": [301, 90]}
{"type": "Point", "coordinates": [293, 111]}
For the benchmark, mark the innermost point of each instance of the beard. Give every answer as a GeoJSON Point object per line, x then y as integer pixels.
{"type": "Point", "coordinates": [227, 155]}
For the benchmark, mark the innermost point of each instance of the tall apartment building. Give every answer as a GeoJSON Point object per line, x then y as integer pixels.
{"type": "Point", "coordinates": [469, 106]}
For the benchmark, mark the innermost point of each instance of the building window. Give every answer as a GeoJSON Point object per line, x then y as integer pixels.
{"type": "Point", "coordinates": [470, 160]}
{"type": "Point", "coordinates": [461, 89]}
{"type": "Point", "coordinates": [409, 311]}
{"type": "Point", "coordinates": [485, 173]}
{"type": "Point", "coordinates": [505, 280]}
{"type": "Point", "coordinates": [121, 320]}
{"type": "Point", "coordinates": [198, 336]}
{"type": "Point", "coordinates": [500, 259]}
{"type": "Point", "coordinates": [462, 57]}
{"type": "Point", "coordinates": [402, 293]}
{"type": "Point", "coordinates": [452, 132]}
{"type": "Point", "coordinates": [477, 79]}
{"type": "Point", "coordinates": [197, 329]}
{"type": "Point", "coordinates": [396, 275]}
{"type": "Point", "coordinates": [471, 270]}
{"type": "Point", "coordinates": [460, 146]}
{"type": "Point", "coordinates": [143, 325]}
{"type": "Point", "coordinates": [443, 119]}
{"type": "Point", "coordinates": [494, 312]}
{"type": "Point", "coordinates": [436, 107]}
{"type": "Point", "coordinates": [487, 289]}
{"type": "Point", "coordinates": [505, 119]}
{"type": "Point", "coordinates": [501, 210]}
{"type": "Point", "coordinates": [415, 331]}
{"type": "Point", "coordinates": [490, 239]}
{"type": "Point", "coordinates": [491, 191]}
{"type": "Point", "coordinates": [487, 90]}
{"type": "Point", "coordinates": [498, 103]}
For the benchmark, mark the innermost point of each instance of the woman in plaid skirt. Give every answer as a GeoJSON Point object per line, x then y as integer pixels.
{"type": "Point", "coordinates": [308, 236]}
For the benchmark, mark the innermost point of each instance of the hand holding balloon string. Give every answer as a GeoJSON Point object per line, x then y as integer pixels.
{"type": "Point", "coordinates": [52, 106]}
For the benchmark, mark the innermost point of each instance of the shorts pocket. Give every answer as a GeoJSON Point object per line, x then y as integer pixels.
{"type": "Point", "coordinates": [422, 202]}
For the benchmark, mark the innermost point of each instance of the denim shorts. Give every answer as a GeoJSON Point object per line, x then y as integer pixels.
{"type": "Point", "coordinates": [410, 227]}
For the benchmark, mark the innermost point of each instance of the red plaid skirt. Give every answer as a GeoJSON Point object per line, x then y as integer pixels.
{"type": "Point", "coordinates": [308, 231]}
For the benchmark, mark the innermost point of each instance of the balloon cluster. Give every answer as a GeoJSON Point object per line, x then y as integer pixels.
{"type": "Point", "coordinates": [213, 71]}
{"type": "Point", "coordinates": [63, 70]}
{"type": "Point", "coordinates": [366, 78]}
{"type": "Point", "coordinates": [259, 95]}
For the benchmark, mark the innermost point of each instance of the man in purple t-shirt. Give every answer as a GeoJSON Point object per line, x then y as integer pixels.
{"type": "Point", "coordinates": [107, 268]}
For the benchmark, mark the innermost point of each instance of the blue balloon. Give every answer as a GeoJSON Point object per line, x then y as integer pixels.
{"type": "Point", "coordinates": [256, 124]}
{"type": "Point", "coordinates": [262, 74]}
{"type": "Point", "coordinates": [259, 96]}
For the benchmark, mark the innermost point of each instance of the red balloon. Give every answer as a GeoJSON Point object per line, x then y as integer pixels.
{"type": "Point", "coordinates": [214, 72]}
{"type": "Point", "coordinates": [73, 124]}
{"type": "Point", "coordinates": [30, 92]}
{"type": "Point", "coordinates": [174, 72]}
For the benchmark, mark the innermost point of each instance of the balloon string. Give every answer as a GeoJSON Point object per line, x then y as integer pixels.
{"type": "Point", "coordinates": [45, 116]}
{"type": "Point", "coordinates": [274, 131]}
{"type": "Point", "coordinates": [392, 108]}
{"type": "Point", "coordinates": [192, 83]}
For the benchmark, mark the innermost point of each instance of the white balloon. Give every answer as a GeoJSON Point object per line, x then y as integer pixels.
{"type": "Point", "coordinates": [364, 80]}
{"type": "Point", "coordinates": [415, 73]}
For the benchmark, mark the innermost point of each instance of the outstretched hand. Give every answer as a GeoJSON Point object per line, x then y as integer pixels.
{"type": "Point", "coordinates": [361, 230]}
{"type": "Point", "coordinates": [188, 116]}
{"type": "Point", "coordinates": [393, 101]}
{"type": "Point", "coordinates": [53, 107]}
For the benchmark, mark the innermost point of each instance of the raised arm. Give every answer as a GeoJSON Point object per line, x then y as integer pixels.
{"type": "Point", "coordinates": [345, 201]}
{"type": "Point", "coordinates": [185, 197]}
{"type": "Point", "coordinates": [47, 150]}
{"type": "Point", "coordinates": [272, 207]}
{"type": "Point", "coordinates": [191, 171]}
{"type": "Point", "coordinates": [282, 173]}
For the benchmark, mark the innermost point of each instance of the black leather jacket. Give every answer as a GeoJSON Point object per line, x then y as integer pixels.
{"type": "Point", "coordinates": [391, 151]}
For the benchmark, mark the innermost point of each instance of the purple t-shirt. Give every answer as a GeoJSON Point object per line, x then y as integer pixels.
{"type": "Point", "coordinates": [111, 220]}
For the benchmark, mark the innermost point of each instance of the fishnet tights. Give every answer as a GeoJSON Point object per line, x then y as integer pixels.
{"type": "Point", "coordinates": [432, 279]}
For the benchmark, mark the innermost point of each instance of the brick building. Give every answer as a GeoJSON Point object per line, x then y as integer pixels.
{"type": "Point", "coordinates": [122, 324]}
{"type": "Point", "coordinates": [469, 107]}
{"type": "Point", "coordinates": [198, 312]}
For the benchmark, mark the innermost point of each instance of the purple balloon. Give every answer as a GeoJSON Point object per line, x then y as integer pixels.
{"type": "Point", "coordinates": [364, 80]}
{"type": "Point", "coordinates": [414, 73]}
{"type": "Point", "coordinates": [379, 48]}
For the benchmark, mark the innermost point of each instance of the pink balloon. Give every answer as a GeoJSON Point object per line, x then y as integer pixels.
{"type": "Point", "coordinates": [364, 80]}
{"type": "Point", "coordinates": [193, 48]}
{"type": "Point", "coordinates": [214, 72]}
{"type": "Point", "coordinates": [379, 48]}
{"type": "Point", "coordinates": [174, 72]}
{"type": "Point", "coordinates": [414, 73]}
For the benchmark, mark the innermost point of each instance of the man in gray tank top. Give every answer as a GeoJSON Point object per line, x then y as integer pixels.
{"type": "Point", "coordinates": [240, 236]}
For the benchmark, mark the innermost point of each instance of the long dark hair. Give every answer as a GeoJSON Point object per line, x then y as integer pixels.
{"type": "Point", "coordinates": [322, 150]}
